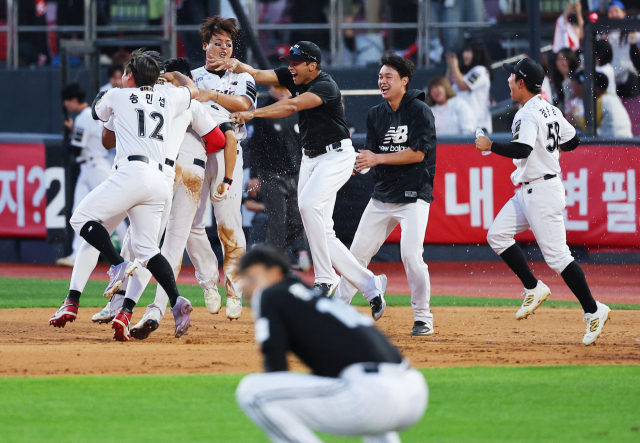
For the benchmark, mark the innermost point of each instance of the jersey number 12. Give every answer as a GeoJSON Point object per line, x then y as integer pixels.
{"type": "Point", "coordinates": [553, 134]}
{"type": "Point", "coordinates": [142, 130]}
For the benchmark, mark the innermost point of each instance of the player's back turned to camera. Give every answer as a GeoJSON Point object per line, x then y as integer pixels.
{"type": "Point", "coordinates": [359, 384]}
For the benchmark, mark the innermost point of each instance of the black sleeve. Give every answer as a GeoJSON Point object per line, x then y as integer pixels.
{"type": "Point", "coordinates": [370, 142]}
{"type": "Point", "coordinates": [326, 90]}
{"type": "Point", "coordinates": [571, 144]}
{"type": "Point", "coordinates": [511, 149]}
{"type": "Point", "coordinates": [284, 77]}
{"type": "Point", "coordinates": [635, 56]}
{"type": "Point", "coordinates": [422, 130]}
{"type": "Point", "coordinates": [275, 339]}
{"type": "Point", "coordinates": [95, 102]}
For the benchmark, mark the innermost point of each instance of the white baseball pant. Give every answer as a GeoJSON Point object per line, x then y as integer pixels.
{"type": "Point", "coordinates": [229, 220]}
{"type": "Point", "coordinates": [320, 180]}
{"type": "Point", "coordinates": [377, 222]}
{"type": "Point", "coordinates": [289, 406]}
{"type": "Point", "coordinates": [140, 190]}
{"type": "Point", "coordinates": [186, 199]}
{"type": "Point", "coordinates": [92, 172]}
{"type": "Point", "coordinates": [538, 206]}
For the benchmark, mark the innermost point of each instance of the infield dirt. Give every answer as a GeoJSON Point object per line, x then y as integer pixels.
{"type": "Point", "coordinates": [464, 336]}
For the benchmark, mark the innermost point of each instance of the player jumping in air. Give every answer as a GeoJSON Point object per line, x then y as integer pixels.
{"type": "Point", "coordinates": [540, 132]}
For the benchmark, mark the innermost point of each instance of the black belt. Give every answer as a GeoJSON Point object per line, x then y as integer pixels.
{"type": "Point", "coordinates": [198, 162]}
{"type": "Point", "coordinates": [546, 177]}
{"type": "Point", "coordinates": [90, 159]}
{"type": "Point", "coordinates": [169, 162]}
{"type": "Point", "coordinates": [318, 152]}
{"type": "Point", "coordinates": [141, 158]}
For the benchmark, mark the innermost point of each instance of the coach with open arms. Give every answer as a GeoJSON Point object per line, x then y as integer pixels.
{"type": "Point", "coordinates": [327, 162]}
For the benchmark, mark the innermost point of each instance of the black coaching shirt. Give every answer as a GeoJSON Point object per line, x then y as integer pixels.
{"type": "Point", "coordinates": [326, 335]}
{"type": "Point", "coordinates": [388, 131]}
{"type": "Point", "coordinates": [324, 124]}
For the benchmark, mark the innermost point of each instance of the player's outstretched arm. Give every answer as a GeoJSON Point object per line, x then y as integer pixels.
{"type": "Point", "coordinates": [179, 79]}
{"type": "Point", "coordinates": [108, 139]}
{"type": "Point", "coordinates": [368, 159]}
{"type": "Point", "coordinates": [282, 108]}
{"type": "Point", "coordinates": [264, 77]}
{"type": "Point", "coordinates": [230, 153]}
{"type": "Point", "coordinates": [230, 102]}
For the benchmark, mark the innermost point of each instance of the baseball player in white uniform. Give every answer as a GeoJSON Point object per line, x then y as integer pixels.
{"type": "Point", "coordinates": [540, 132]}
{"type": "Point", "coordinates": [143, 120]}
{"type": "Point", "coordinates": [94, 161]}
{"type": "Point", "coordinates": [221, 92]}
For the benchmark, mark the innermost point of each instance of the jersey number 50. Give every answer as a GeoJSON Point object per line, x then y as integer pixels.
{"type": "Point", "coordinates": [142, 130]}
{"type": "Point", "coordinates": [553, 134]}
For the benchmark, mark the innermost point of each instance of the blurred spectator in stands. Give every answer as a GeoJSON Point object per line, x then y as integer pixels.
{"type": "Point", "coordinates": [574, 107]}
{"type": "Point", "coordinates": [566, 62]}
{"type": "Point", "coordinates": [603, 54]}
{"type": "Point", "coordinates": [443, 11]}
{"type": "Point", "coordinates": [115, 77]}
{"type": "Point", "coordinates": [612, 119]}
{"type": "Point", "coordinates": [472, 80]}
{"type": "Point", "coordinates": [275, 155]}
{"type": "Point", "coordinates": [33, 49]}
{"type": "Point", "coordinates": [569, 31]}
{"type": "Point", "coordinates": [627, 81]}
{"type": "Point", "coordinates": [453, 116]}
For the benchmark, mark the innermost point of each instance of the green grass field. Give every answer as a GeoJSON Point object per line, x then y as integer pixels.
{"type": "Point", "coordinates": [42, 293]}
{"type": "Point", "coordinates": [471, 405]}
{"type": "Point", "coordinates": [498, 404]}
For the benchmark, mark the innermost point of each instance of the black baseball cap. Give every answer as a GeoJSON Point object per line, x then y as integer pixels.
{"type": "Point", "coordinates": [303, 52]}
{"type": "Point", "coordinates": [601, 81]}
{"type": "Point", "coordinates": [158, 58]}
{"type": "Point", "coordinates": [528, 70]}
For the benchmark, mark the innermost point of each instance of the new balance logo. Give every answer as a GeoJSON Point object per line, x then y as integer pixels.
{"type": "Point", "coordinates": [396, 135]}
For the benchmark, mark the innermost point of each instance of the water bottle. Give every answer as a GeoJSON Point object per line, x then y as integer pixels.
{"type": "Point", "coordinates": [480, 133]}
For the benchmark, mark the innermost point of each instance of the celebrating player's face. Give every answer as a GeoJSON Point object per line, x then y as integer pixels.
{"type": "Point", "coordinates": [390, 83]}
{"type": "Point", "coordinates": [300, 72]}
{"type": "Point", "coordinates": [220, 46]}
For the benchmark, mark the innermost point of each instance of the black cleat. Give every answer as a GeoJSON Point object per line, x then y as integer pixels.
{"type": "Point", "coordinates": [421, 328]}
{"type": "Point", "coordinates": [142, 330]}
{"type": "Point", "coordinates": [325, 288]}
{"type": "Point", "coordinates": [377, 306]}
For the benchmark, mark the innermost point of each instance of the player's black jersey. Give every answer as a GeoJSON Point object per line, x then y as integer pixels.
{"type": "Point", "coordinates": [326, 335]}
{"type": "Point", "coordinates": [322, 125]}
{"type": "Point", "coordinates": [388, 131]}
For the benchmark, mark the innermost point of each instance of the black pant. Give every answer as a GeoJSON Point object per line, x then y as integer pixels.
{"type": "Point", "coordinates": [280, 196]}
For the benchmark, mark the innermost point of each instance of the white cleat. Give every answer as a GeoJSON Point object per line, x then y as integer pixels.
{"type": "Point", "coordinates": [234, 308]}
{"type": "Point", "coordinates": [104, 316]}
{"type": "Point", "coordinates": [533, 298]}
{"type": "Point", "coordinates": [66, 261]}
{"type": "Point", "coordinates": [212, 300]}
{"type": "Point", "coordinates": [595, 323]}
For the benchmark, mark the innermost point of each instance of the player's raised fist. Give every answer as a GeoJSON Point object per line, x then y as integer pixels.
{"type": "Point", "coordinates": [483, 143]}
{"type": "Point", "coordinates": [241, 117]}
{"type": "Point", "coordinates": [219, 64]}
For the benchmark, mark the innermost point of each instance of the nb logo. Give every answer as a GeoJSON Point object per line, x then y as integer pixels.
{"type": "Point", "coordinates": [396, 135]}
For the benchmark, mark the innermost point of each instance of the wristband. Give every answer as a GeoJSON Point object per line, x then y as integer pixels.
{"type": "Point", "coordinates": [227, 181]}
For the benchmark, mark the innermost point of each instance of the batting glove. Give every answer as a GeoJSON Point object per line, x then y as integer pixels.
{"type": "Point", "coordinates": [222, 191]}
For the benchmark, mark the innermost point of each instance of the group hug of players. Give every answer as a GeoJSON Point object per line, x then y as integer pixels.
{"type": "Point", "coordinates": [177, 132]}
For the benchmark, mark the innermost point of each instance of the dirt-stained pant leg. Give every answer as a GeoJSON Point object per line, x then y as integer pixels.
{"type": "Point", "coordinates": [229, 220]}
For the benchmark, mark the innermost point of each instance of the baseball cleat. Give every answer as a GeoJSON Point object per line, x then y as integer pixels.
{"type": "Point", "coordinates": [234, 308]}
{"type": "Point", "coordinates": [144, 328]}
{"type": "Point", "coordinates": [420, 328]}
{"type": "Point", "coordinates": [378, 304]}
{"type": "Point", "coordinates": [66, 314]}
{"type": "Point", "coordinates": [533, 298]}
{"type": "Point", "coordinates": [104, 316]}
{"type": "Point", "coordinates": [120, 326]}
{"type": "Point", "coordinates": [212, 300]}
{"type": "Point", "coordinates": [595, 323]}
{"type": "Point", "coordinates": [181, 315]}
{"type": "Point", "coordinates": [68, 261]}
{"type": "Point", "coordinates": [325, 288]}
{"type": "Point", "coordinates": [118, 275]}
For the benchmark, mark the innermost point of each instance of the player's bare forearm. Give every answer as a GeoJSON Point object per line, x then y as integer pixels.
{"type": "Point", "coordinates": [232, 103]}
{"type": "Point", "coordinates": [108, 139]}
{"type": "Point", "coordinates": [264, 77]}
{"type": "Point", "coordinates": [179, 79]}
{"type": "Point", "coordinates": [404, 157]}
{"type": "Point", "coordinates": [230, 153]}
{"type": "Point", "coordinates": [285, 108]}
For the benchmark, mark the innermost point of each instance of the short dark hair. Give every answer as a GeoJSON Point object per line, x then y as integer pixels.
{"type": "Point", "coordinates": [216, 24]}
{"type": "Point", "coordinates": [405, 67]}
{"type": "Point", "coordinates": [480, 57]}
{"type": "Point", "coordinates": [318, 65]}
{"type": "Point", "coordinates": [74, 90]}
{"type": "Point", "coordinates": [603, 50]}
{"type": "Point", "coordinates": [180, 65]}
{"type": "Point", "coordinates": [265, 255]}
{"type": "Point", "coordinates": [114, 68]}
{"type": "Point", "coordinates": [530, 88]}
{"type": "Point", "coordinates": [144, 68]}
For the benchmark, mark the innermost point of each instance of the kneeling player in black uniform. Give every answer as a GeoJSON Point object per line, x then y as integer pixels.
{"type": "Point", "coordinates": [359, 385]}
